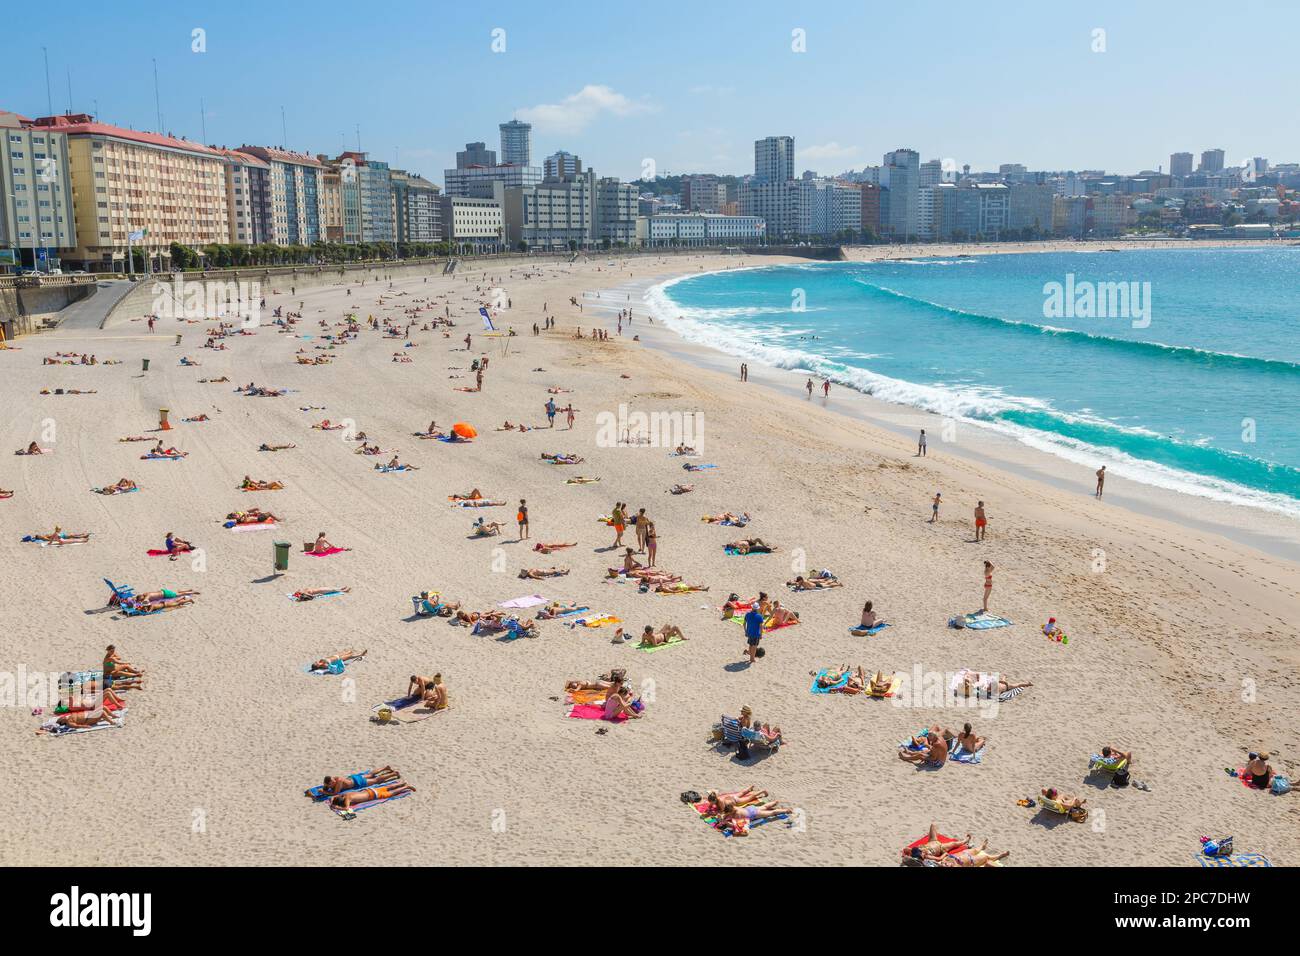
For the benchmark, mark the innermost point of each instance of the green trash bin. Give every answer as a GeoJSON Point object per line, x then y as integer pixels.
{"type": "Point", "coordinates": [281, 555]}
{"type": "Point", "coordinates": [146, 364]}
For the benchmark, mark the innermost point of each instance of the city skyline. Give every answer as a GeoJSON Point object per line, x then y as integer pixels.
{"type": "Point", "coordinates": [1103, 103]}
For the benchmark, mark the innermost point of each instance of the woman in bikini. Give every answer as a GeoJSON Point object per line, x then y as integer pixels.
{"type": "Point", "coordinates": [652, 638]}
{"type": "Point", "coordinates": [344, 658]}
{"type": "Point", "coordinates": [538, 574]}
{"type": "Point", "coordinates": [988, 584]}
{"type": "Point", "coordinates": [310, 594]}
{"type": "Point", "coordinates": [781, 616]}
{"type": "Point", "coordinates": [977, 857]}
{"type": "Point", "coordinates": [347, 800]}
{"type": "Point", "coordinates": [935, 848]}
{"type": "Point", "coordinates": [724, 803]}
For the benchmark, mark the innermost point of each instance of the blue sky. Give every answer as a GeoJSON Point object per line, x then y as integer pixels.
{"type": "Point", "coordinates": [687, 85]}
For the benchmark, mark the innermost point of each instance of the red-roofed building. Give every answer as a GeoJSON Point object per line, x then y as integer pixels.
{"type": "Point", "coordinates": [161, 188]}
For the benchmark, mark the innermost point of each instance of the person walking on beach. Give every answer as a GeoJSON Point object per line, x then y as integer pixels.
{"type": "Point", "coordinates": [1101, 480]}
{"type": "Point", "coordinates": [151, 323]}
{"type": "Point", "coordinates": [988, 584]}
{"type": "Point", "coordinates": [934, 508]}
{"type": "Point", "coordinates": [468, 340]}
{"type": "Point", "coordinates": [753, 631]}
{"type": "Point", "coordinates": [744, 372]}
{"type": "Point", "coordinates": [522, 518]}
{"type": "Point", "coordinates": [981, 522]}
{"type": "Point", "coordinates": [920, 445]}
{"type": "Point", "coordinates": [826, 388]}
{"type": "Point", "coordinates": [619, 520]}
{"type": "Point", "coordinates": [568, 412]}
{"type": "Point", "coordinates": [550, 411]}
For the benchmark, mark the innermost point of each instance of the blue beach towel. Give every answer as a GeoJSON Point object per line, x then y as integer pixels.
{"type": "Point", "coordinates": [859, 632]}
{"type": "Point", "coordinates": [962, 755]}
{"type": "Point", "coordinates": [979, 621]}
{"type": "Point", "coordinates": [818, 689]}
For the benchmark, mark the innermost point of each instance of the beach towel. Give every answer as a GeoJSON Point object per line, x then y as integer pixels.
{"type": "Point", "coordinates": [690, 467]}
{"type": "Point", "coordinates": [921, 841]}
{"type": "Point", "coordinates": [593, 712]}
{"type": "Point", "coordinates": [581, 480]}
{"type": "Point", "coordinates": [599, 620]}
{"type": "Point", "coordinates": [706, 814]}
{"type": "Point", "coordinates": [818, 689]}
{"type": "Point", "coordinates": [454, 440]}
{"type": "Point", "coordinates": [767, 623]}
{"type": "Point", "coordinates": [911, 744]}
{"type": "Point", "coordinates": [566, 612]}
{"type": "Point", "coordinates": [385, 469]}
{"type": "Point", "coordinates": [585, 697]}
{"type": "Point", "coordinates": [961, 755]}
{"type": "Point", "coordinates": [101, 491]}
{"type": "Point", "coordinates": [1236, 859]}
{"type": "Point", "coordinates": [251, 526]}
{"type": "Point", "coordinates": [159, 552]}
{"type": "Point", "coordinates": [351, 812]}
{"type": "Point", "coordinates": [728, 549]}
{"type": "Point", "coordinates": [326, 553]}
{"type": "Point", "coordinates": [651, 648]}
{"type": "Point", "coordinates": [979, 621]}
{"type": "Point", "coordinates": [52, 728]}
{"type": "Point", "coordinates": [528, 600]}
{"type": "Point", "coordinates": [406, 710]}
{"type": "Point", "coordinates": [153, 457]}
{"type": "Point", "coordinates": [1007, 695]}
{"type": "Point", "coordinates": [865, 631]}
{"type": "Point", "coordinates": [30, 538]}
{"type": "Point", "coordinates": [314, 597]}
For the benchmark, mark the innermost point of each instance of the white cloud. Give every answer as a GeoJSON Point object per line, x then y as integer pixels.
{"type": "Point", "coordinates": [827, 151]}
{"type": "Point", "coordinates": [576, 112]}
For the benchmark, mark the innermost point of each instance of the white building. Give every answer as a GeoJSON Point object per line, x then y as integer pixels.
{"type": "Point", "coordinates": [561, 164]}
{"type": "Point", "coordinates": [477, 181]}
{"type": "Point", "coordinates": [474, 221]}
{"type": "Point", "coordinates": [703, 229]}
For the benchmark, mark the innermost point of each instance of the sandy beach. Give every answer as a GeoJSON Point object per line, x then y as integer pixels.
{"type": "Point", "coordinates": [1181, 614]}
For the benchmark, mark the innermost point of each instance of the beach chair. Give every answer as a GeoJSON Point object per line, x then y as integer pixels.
{"type": "Point", "coordinates": [121, 592]}
{"type": "Point", "coordinates": [1101, 765]}
{"type": "Point", "coordinates": [733, 734]}
{"type": "Point", "coordinates": [426, 607]}
{"type": "Point", "coordinates": [1077, 814]}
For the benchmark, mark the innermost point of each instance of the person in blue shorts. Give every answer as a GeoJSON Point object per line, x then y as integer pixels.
{"type": "Point", "coordinates": [753, 632]}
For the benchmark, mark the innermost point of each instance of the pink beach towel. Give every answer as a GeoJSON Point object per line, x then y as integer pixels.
{"type": "Point", "coordinates": [326, 553]}
{"type": "Point", "coordinates": [593, 712]}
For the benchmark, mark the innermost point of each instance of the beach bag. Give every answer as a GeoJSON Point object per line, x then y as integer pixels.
{"type": "Point", "coordinates": [1121, 778]}
{"type": "Point", "coordinates": [1280, 785]}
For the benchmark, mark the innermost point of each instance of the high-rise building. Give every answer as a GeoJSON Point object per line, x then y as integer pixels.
{"type": "Point", "coordinates": [1030, 208]}
{"type": "Point", "coordinates": [1211, 161]}
{"type": "Point", "coordinates": [37, 217]}
{"type": "Point", "coordinates": [1180, 164]}
{"type": "Point", "coordinates": [930, 173]}
{"type": "Point", "coordinates": [901, 219]}
{"type": "Point", "coordinates": [776, 202]}
{"type": "Point", "coordinates": [561, 165]}
{"type": "Point", "coordinates": [516, 143]}
{"type": "Point", "coordinates": [125, 181]}
{"type": "Point", "coordinates": [294, 189]}
{"type": "Point", "coordinates": [774, 159]}
{"type": "Point", "coordinates": [331, 202]}
{"type": "Point", "coordinates": [475, 154]}
{"type": "Point", "coordinates": [248, 195]}
{"type": "Point", "coordinates": [871, 195]}
{"type": "Point", "coordinates": [417, 208]}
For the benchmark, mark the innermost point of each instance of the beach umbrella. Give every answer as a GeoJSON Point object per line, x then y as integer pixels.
{"type": "Point", "coordinates": [464, 430]}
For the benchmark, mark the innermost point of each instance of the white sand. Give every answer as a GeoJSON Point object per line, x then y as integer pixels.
{"type": "Point", "coordinates": [211, 764]}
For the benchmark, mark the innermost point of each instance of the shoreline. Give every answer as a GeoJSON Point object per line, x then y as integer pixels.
{"type": "Point", "coordinates": [1258, 526]}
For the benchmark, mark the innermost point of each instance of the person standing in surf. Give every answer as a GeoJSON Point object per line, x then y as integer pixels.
{"type": "Point", "coordinates": [1101, 480]}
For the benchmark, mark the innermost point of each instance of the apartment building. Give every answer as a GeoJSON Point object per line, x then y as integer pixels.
{"type": "Point", "coordinates": [36, 195]}
{"type": "Point", "coordinates": [474, 221]}
{"type": "Point", "coordinates": [248, 196]}
{"type": "Point", "coordinates": [417, 209]}
{"type": "Point", "coordinates": [703, 229]}
{"type": "Point", "coordinates": [295, 182]}
{"type": "Point", "coordinates": [161, 188]}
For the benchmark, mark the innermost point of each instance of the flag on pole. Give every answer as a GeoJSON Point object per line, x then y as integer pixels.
{"type": "Point", "coordinates": [487, 319]}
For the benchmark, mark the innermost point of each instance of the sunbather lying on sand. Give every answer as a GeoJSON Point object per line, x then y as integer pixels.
{"type": "Point", "coordinates": [121, 485]}
{"type": "Point", "coordinates": [135, 438]}
{"type": "Point", "coordinates": [684, 450]}
{"type": "Point", "coordinates": [563, 459]}
{"type": "Point", "coordinates": [616, 677]}
{"type": "Point", "coordinates": [355, 781]}
{"type": "Point", "coordinates": [814, 583]}
{"type": "Point", "coordinates": [142, 606]}
{"type": "Point", "coordinates": [325, 425]}
{"type": "Point", "coordinates": [149, 597]}
{"type": "Point", "coordinates": [538, 573]}
{"type": "Point", "coordinates": [474, 495]}
{"type": "Point", "coordinates": [158, 449]}
{"type": "Point", "coordinates": [309, 594]}
{"type": "Point", "coordinates": [344, 658]}
{"type": "Point", "coordinates": [677, 587]}
{"type": "Point", "coordinates": [935, 848]}
{"type": "Point", "coordinates": [252, 516]}
{"type": "Point", "coordinates": [989, 684]}
{"type": "Point", "coordinates": [681, 489]}
{"type": "Point", "coordinates": [197, 418]}
{"type": "Point", "coordinates": [727, 517]}
{"type": "Point", "coordinates": [6, 494]}
{"type": "Point", "coordinates": [85, 719]}
{"type": "Point", "coordinates": [548, 547]}
{"type": "Point", "coordinates": [59, 536]}
{"type": "Point", "coordinates": [251, 484]}
{"type": "Point", "coordinates": [265, 447]}
{"type": "Point", "coordinates": [739, 819]}
{"type": "Point", "coordinates": [350, 799]}
{"type": "Point", "coordinates": [394, 465]}
{"type": "Point", "coordinates": [32, 449]}
{"type": "Point", "coordinates": [485, 529]}
{"type": "Point", "coordinates": [652, 638]}
{"type": "Point", "coordinates": [980, 856]}
{"type": "Point", "coordinates": [750, 546]}
{"type": "Point", "coordinates": [556, 609]}
{"type": "Point", "coordinates": [723, 803]}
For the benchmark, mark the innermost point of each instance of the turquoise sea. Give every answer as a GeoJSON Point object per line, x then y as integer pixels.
{"type": "Point", "coordinates": [1195, 386]}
